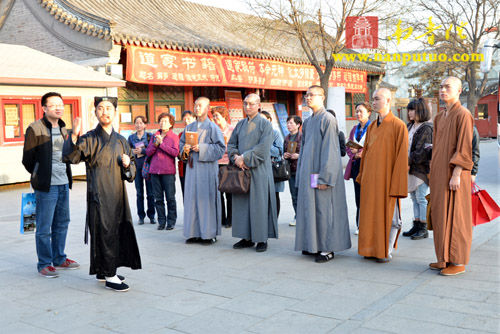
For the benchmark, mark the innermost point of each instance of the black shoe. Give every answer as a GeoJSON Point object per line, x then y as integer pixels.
{"type": "Point", "coordinates": [170, 228]}
{"type": "Point", "coordinates": [141, 221]}
{"type": "Point", "coordinates": [324, 258]}
{"type": "Point", "coordinates": [421, 233]}
{"type": "Point", "coordinates": [161, 227]}
{"type": "Point", "coordinates": [261, 247]}
{"type": "Point", "coordinates": [122, 287]}
{"type": "Point", "coordinates": [208, 242]}
{"type": "Point", "coordinates": [243, 243]}
{"type": "Point", "coordinates": [193, 240]}
{"type": "Point", "coordinates": [308, 253]}
{"type": "Point", "coordinates": [152, 221]}
{"type": "Point", "coordinates": [412, 231]}
{"type": "Point", "coordinates": [102, 278]}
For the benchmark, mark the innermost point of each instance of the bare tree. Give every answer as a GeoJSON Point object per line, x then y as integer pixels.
{"type": "Point", "coordinates": [472, 22]}
{"type": "Point", "coordinates": [319, 31]}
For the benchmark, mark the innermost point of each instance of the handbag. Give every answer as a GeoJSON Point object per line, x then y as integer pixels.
{"type": "Point", "coordinates": [281, 170]}
{"type": "Point", "coordinates": [28, 213]}
{"type": "Point", "coordinates": [428, 213]}
{"type": "Point", "coordinates": [233, 180]}
{"type": "Point", "coordinates": [484, 208]}
{"type": "Point", "coordinates": [145, 169]}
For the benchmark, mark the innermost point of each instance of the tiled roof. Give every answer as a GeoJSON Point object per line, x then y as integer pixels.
{"type": "Point", "coordinates": [180, 25]}
{"type": "Point", "coordinates": [22, 65]}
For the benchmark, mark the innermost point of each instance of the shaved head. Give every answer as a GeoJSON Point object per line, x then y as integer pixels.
{"type": "Point", "coordinates": [253, 97]}
{"type": "Point", "coordinates": [382, 101]}
{"type": "Point", "coordinates": [450, 89]}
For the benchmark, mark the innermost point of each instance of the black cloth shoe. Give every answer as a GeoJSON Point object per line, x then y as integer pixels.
{"type": "Point", "coordinates": [122, 287]}
{"type": "Point", "coordinates": [261, 247]}
{"type": "Point", "coordinates": [170, 228]}
{"type": "Point", "coordinates": [102, 278]}
{"type": "Point", "coordinates": [152, 221]}
{"type": "Point", "coordinates": [193, 240]}
{"type": "Point", "coordinates": [208, 242]}
{"type": "Point", "coordinates": [308, 253]}
{"type": "Point", "coordinates": [243, 243]}
{"type": "Point", "coordinates": [421, 233]}
{"type": "Point", "coordinates": [324, 258]}
{"type": "Point", "coordinates": [141, 221]}
{"type": "Point", "coordinates": [411, 231]}
{"type": "Point", "coordinates": [161, 227]}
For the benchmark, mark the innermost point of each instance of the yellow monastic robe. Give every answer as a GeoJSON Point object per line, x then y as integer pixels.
{"type": "Point", "coordinates": [451, 210]}
{"type": "Point", "coordinates": [383, 176]}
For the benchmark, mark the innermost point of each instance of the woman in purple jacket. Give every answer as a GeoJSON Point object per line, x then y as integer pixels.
{"type": "Point", "coordinates": [357, 135]}
{"type": "Point", "coordinates": [163, 149]}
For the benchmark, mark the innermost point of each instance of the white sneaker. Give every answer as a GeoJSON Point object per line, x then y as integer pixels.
{"type": "Point", "coordinates": [356, 232]}
{"type": "Point", "coordinates": [292, 223]}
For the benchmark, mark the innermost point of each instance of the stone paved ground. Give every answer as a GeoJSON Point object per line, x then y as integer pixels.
{"type": "Point", "coordinates": [215, 289]}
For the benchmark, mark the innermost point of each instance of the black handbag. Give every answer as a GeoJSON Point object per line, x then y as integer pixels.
{"type": "Point", "coordinates": [281, 170]}
{"type": "Point", "coordinates": [233, 180]}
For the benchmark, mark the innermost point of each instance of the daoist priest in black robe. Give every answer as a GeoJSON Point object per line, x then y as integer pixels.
{"type": "Point", "coordinates": [108, 162]}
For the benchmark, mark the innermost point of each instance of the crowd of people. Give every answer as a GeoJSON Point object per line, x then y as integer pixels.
{"type": "Point", "coordinates": [387, 161]}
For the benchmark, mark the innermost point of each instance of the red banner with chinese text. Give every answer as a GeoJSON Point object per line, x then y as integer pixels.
{"type": "Point", "coordinates": [179, 68]}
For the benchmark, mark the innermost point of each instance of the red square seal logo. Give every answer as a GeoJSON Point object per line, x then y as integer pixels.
{"type": "Point", "coordinates": [361, 32]}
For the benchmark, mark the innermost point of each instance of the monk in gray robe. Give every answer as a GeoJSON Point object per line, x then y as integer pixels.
{"type": "Point", "coordinates": [248, 148]}
{"type": "Point", "coordinates": [322, 223]}
{"type": "Point", "coordinates": [202, 206]}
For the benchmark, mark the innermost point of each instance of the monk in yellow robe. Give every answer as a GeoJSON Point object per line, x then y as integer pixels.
{"type": "Point", "coordinates": [450, 182]}
{"type": "Point", "coordinates": [383, 176]}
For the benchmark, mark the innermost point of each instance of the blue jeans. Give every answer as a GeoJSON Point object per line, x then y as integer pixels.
{"type": "Point", "coordinates": [294, 192]}
{"type": "Point", "coordinates": [165, 183]}
{"type": "Point", "coordinates": [419, 202]}
{"type": "Point", "coordinates": [52, 220]}
{"type": "Point", "coordinates": [139, 188]}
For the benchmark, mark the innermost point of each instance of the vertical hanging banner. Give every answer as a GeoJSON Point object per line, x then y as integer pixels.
{"type": "Point", "coordinates": [180, 68]}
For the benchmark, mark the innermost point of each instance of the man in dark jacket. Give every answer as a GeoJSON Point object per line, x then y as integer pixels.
{"type": "Point", "coordinates": [51, 180]}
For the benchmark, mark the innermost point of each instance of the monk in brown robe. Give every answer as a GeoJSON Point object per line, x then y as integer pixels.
{"type": "Point", "coordinates": [383, 179]}
{"type": "Point", "coordinates": [450, 182]}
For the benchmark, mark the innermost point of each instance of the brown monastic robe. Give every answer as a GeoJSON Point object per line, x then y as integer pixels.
{"type": "Point", "coordinates": [383, 176]}
{"type": "Point", "coordinates": [451, 212]}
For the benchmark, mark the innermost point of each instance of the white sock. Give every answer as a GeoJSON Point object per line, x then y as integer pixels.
{"type": "Point", "coordinates": [113, 279]}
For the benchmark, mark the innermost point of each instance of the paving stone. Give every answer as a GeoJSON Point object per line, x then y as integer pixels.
{"type": "Point", "coordinates": [293, 322]}
{"type": "Point", "coordinates": [451, 304]}
{"type": "Point", "coordinates": [329, 305]}
{"type": "Point", "coordinates": [191, 302]}
{"type": "Point", "coordinates": [258, 304]}
{"type": "Point", "coordinates": [227, 287]}
{"type": "Point", "coordinates": [293, 288]}
{"type": "Point", "coordinates": [394, 324]}
{"type": "Point", "coordinates": [215, 320]}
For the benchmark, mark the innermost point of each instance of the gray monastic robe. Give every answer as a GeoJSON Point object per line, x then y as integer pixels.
{"type": "Point", "coordinates": [254, 214]}
{"type": "Point", "coordinates": [202, 207]}
{"type": "Point", "coordinates": [322, 223]}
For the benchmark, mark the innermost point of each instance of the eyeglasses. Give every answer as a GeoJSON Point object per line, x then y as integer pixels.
{"type": "Point", "coordinates": [55, 106]}
{"type": "Point", "coordinates": [311, 95]}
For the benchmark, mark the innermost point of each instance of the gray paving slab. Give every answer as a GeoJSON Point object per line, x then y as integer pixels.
{"type": "Point", "coordinates": [216, 289]}
{"type": "Point", "coordinates": [294, 322]}
{"type": "Point", "coordinates": [215, 320]}
{"type": "Point", "coordinates": [258, 304]}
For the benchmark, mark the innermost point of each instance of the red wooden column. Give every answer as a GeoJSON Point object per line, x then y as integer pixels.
{"type": "Point", "coordinates": [188, 98]}
{"type": "Point", "coordinates": [298, 103]}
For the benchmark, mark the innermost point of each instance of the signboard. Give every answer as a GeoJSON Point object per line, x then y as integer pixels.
{"type": "Point", "coordinates": [180, 68]}
{"type": "Point", "coordinates": [282, 115]}
{"type": "Point", "coordinates": [336, 102]}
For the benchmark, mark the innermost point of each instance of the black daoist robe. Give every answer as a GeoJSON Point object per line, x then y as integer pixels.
{"type": "Point", "coordinates": [112, 238]}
